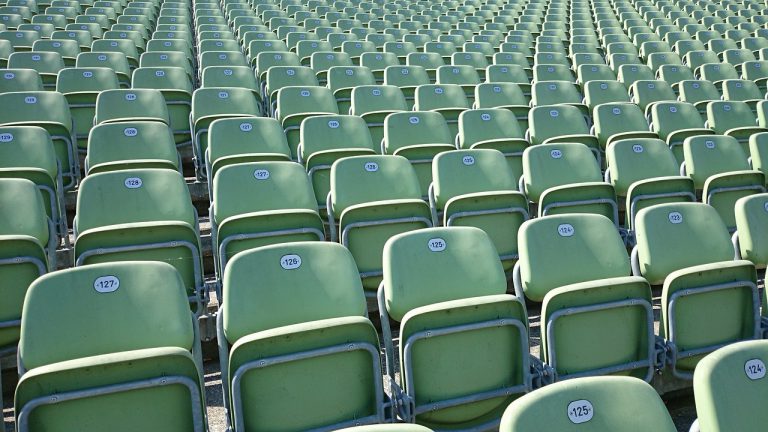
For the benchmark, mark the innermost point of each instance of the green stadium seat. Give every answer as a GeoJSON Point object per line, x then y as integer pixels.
{"type": "Point", "coordinates": [452, 313]}
{"type": "Point", "coordinates": [608, 129]}
{"type": "Point", "coordinates": [290, 350]}
{"type": "Point", "coordinates": [477, 188]}
{"type": "Point", "coordinates": [81, 87]}
{"type": "Point", "coordinates": [142, 353]}
{"type": "Point", "coordinates": [47, 64]}
{"type": "Point", "coordinates": [131, 144]}
{"type": "Point", "coordinates": [373, 103]}
{"type": "Point", "coordinates": [560, 123]}
{"type": "Point", "coordinates": [294, 104]}
{"type": "Point", "coordinates": [50, 111]}
{"type": "Point", "coordinates": [721, 173]}
{"type": "Point", "coordinates": [285, 211]}
{"type": "Point", "coordinates": [708, 299]}
{"type": "Point", "coordinates": [601, 404]}
{"type": "Point", "coordinates": [121, 105]}
{"type": "Point", "coordinates": [733, 118]}
{"type": "Point", "coordinates": [20, 80]}
{"type": "Point", "coordinates": [343, 79]}
{"type": "Point", "coordinates": [676, 121]}
{"type": "Point", "coordinates": [209, 104]}
{"type": "Point", "coordinates": [142, 214]}
{"type": "Point", "coordinates": [373, 198]}
{"type": "Point", "coordinates": [733, 370]}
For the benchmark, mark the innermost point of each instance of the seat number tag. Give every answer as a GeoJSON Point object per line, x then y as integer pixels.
{"type": "Point", "coordinates": [580, 411]}
{"type": "Point", "coordinates": [436, 244]}
{"type": "Point", "coordinates": [755, 369]}
{"type": "Point", "coordinates": [106, 284]}
{"type": "Point", "coordinates": [290, 262]}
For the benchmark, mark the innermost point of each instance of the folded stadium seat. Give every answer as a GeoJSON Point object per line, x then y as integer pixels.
{"type": "Point", "coordinates": [400, 49]}
{"type": "Point", "coordinates": [81, 87]}
{"type": "Point", "coordinates": [462, 304]}
{"type": "Point", "coordinates": [754, 44]}
{"type": "Point", "coordinates": [28, 152]}
{"type": "Point", "coordinates": [142, 353]}
{"type": "Point", "coordinates": [396, 427]}
{"type": "Point", "coordinates": [408, 78]}
{"type": "Point", "coordinates": [603, 403]}
{"type": "Point", "coordinates": [284, 76]}
{"type": "Point", "coordinates": [617, 121]}
{"type": "Point", "coordinates": [430, 61]}
{"type": "Point", "coordinates": [343, 79]}
{"type": "Point", "coordinates": [286, 210]}
{"type": "Point", "coordinates": [355, 49]}
{"type": "Point", "coordinates": [378, 62]}
{"type": "Point", "coordinates": [373, 198]}
{"type": "Point", "coordinates": [582, 59]}
{"type": "Point", "coordinates": [15, 80]}
{"type": "Point", "coordinates": [121, 105]}
{"type": "Point", "coordinates": [447, 99]}
{"type": "Point", "coordinates": [47, 65]}
{"type": "Point", "coordinates": [325, 139]}
{"type": "Point", "coordinates": [646, 93]}
{"type": "Point", "coordinates": [697, 58]}
{"type": "Point", "coordinates": [683, 47]}
{"type": "Point", "coordinates": [756, 71]}
{"type": "Point", "coordinates": [231, 76]}
{"type": "Point", "coordinates": [598, 92]}
{"type": "Point", "coordinates": [170, 45]}
{"type": "Point", "coordinates": [209, 104]}
{"type": "Point", "coordinates": [464, 75]}
{"type": "Point", "coordinates": [699, 93]}
{"type": "Point", "coordinates": [595, 295]}
{"type": "Point", "coordinates": [747, 239]}
{"type": "Point", "coordinates": [21, 40]}
{"type": "Point", "coordinates": [50, 111]}
{"type": "Point", "coordinates": [509, 72]}
{"type": "Point", "coordinates": [131, 144]}
{"type": "Point", "coordinates": [142, 214]}
{"type": "Point", "coordinates": [734, 369]}
{"type": "Point", "coordinates": [477, 188]}
{"type": "Point", "coordinates": [733, 118]}
{"type": "Point", "coordinates": [418, 136]}
{"type": "Point", "coordinates": [549, 72]}
{"type": "Point", "coordinates": [717, 73]}
{"type": "Point", "coordinates": [544, 93]}
{"type": "Point", "coordinates": [68, 49]}
{"type": "Point", "coordinates": [373, 103]}
{"type": "Point", "coordinates": [674, 74]}
{"type": "Point", "coordinates": [113, 60]}
{"type": "Point", "coordinates": [653, 47]}
{"type": "Point", "coordinates": [295, 104]}
{"type": "Point", "coordinates": [721, 173]}
{"type": "Point", "coordinates": [176, 87]}
{"type": "Point", "coordinates": [477, 60]}
{"type": "Point", "coordinates": [708, 299]}
{"type": "Point", "coordinates": [28, 243]}
{"type": "Point", "coordinates": [742, 90]}
{"type": "Point", "coordinates": [644, 172]}
{"type": "Point", "coordinates": [6, 49]}
{"type": "Point", "coordinates": [267, 59]}
{"type": "Point", "coordinates": [220, 58]}
{"type": "Point", "coordinates": [561, 178]}
{"type": "Point", "coordinates": [259, 45]}
{"type": "Point", "coordinates": [676, 121]}
{"type": "Point", "coordinates": [133, 36]}
{"type": "Point", "coordinates": [629, 73]}
{"type": "Point", "coordinates": [493, 128]}
{"type": "Point", "coordinates": [136, 26]}
{"type": "Point", "coordinates": [560, 123]}
{"type": "Point", "coordinates": [504, 95]}
{"type": "Point", "coordinates": [220, 46]}
{"type": "Point", "coordinates": [294, 351]}
{"type": "Point", "coordinates": [322, 61]}
{"type": "Point", "coordinates": [164, 59]}
{"type": "Point", "coordinates": [551, 58]}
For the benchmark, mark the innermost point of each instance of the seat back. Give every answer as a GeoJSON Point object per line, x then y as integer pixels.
{"type": "Point", "coordinates": [674, 236]}
{"type": "Point", "coordinates": [563, 239]}
{"type": "Point", "coordinates": [131, 105]}
{"type": "Point", "coordinates": [607, 403]}
{"type": "Point", "coordinates": [405, 129]}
